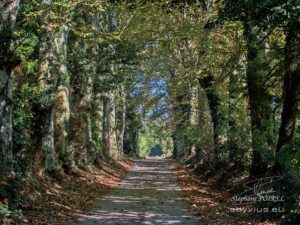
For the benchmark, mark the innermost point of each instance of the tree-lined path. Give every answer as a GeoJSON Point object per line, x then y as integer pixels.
{"type": "Point", "coordinates": [149, 195]}
{"type": "Point", "coordinates": [86, 86]}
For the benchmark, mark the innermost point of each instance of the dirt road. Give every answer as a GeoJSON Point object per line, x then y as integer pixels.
{"type": "Point", "coordinates": [149, 195]}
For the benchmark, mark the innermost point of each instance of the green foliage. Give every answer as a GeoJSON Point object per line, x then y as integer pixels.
{"type": "Point", "coordinates": [290, 155]}
{"type": "Point", "coordinates": [26, 45]}
{"type": "Point", "coordinates": [96, 137]}
{"type": "Point", "coordinates": [4, 211]}
{"type": "Point", "coordinates": [23, 114]}
{"type": "Point", "coordinates": [200, 135]}
{"type": "Point", "coordinates": [12, 215]}
{"type": "Point", "coordinates": [145, 142]}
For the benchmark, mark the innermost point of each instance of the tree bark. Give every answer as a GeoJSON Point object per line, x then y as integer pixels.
{"type": "Point", "coordinates": [213, 102]}
{"type": "Point", "coordinates": [109, 138]}
{"type": "Point", "coordinates": [259, 101]}
{"type": "Point", "coordinates": [53, 85]}
{"type": "Point", "coordinates": [216, 118]}
{"type": "Point", "coordinates": [62, 106]}
{"type": "Point", "coordinates": [232, 124]}
{"type": "Point", "coordinates": [132, 126]}
{"type": "Point", "coordinates": [194, 118]}
{"type": "Point", "coordinates": [47, 84]}
{"type": "Point", "coordinates": [291, 90]}
{"type": "Point", "coordinates": [97, 118]}
{"type": "Point", "coordinates": [88, 117]}
{"type": "Point", "coordinates": [122, 118]}
{"type": "Point", "coordinates": [80, 137]}
{"type": "Point", "coordinates": [181, 108]}
{"type": "Point", "coordinates": [110, 148]}
{"type": "Point", "coordinates": [8, 62]}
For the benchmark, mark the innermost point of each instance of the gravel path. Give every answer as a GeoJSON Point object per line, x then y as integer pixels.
{"type": "Point", "coordinates": [149, 195]}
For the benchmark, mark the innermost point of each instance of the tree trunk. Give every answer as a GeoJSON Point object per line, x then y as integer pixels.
{"type": "Point", "coordinates": [62, 106]}
{"type": "Point", "coordinates": [6, 144]}
{"type": "Point", "coordinates": [80, 137]}
{"type": "Point", "coordinates": [194, 118]}
{"type": "Point", "coordinates": [213, 102]}
{"type": "Point", "coordinates": [110, 148]}
{"type": "Point", "coordinates": [259, 101]}
{"type": "Point", "coordinates": [175, 150]}
{"type": "Point", "coordinates": [132, 127]}
{"type": "Point", "coordinates": [8, 62]}
{"type": "Point", "coordinates": [181, 121]}
{"type": "Point", "coordinates": [182, 111]}
{"type": "Point", "coordinates": [53, 85]}
{"type": "Point", "coordinates": [47, 83]}
{"type": "Point", "coordinates": [122, 117]}
{"type": "Point", "coordinates": [232, 124]}
{"type": "Point", "coordinates": [291, 90]}
{"type": "Point", "coordinates": [88, 94]}
{"type": "Point", "coordinates": [96, 112]}
{"type": "Point", "coordinates": [216, 118]}
{"type": "Point", "coordinates": [97, 118]}
{"type": "Point", "coordinates": [109, 138]}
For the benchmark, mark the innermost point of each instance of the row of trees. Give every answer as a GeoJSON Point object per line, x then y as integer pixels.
{"type": "Point", "coordinates": [232, 74]}
{"type": "Point", "coordinates": [66, 74]}
{"type": "Point", "coordinates": [232, 70]}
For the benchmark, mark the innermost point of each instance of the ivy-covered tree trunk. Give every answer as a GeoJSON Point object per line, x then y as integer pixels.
{"type": "Point", "coordinates": [122, 118]}
{"type": "Point", "coordinates": [236, 152]}
{"type": "Point", "coordinates": [47, 84]}
{"type": "Point", "coordinates": [291, 90]}
{"type": "Point", "coordinates": [182, 115]}
{"type": "Point", "coordinates": [86, 104]}
{"type": "Point", "coordinates": [55, 109]}
{"type": "Point", "coordinates": [95, 115]}
{"type": "Point", "coordinates": [109, 137]}
{"type": "Point", "coordinates": [194, 118]}
{"type": "Point", "coordinates": [216, 117]}
{"type": "Point", "coordinates": [181, 108]}
{"type": "Point", "coordinates": [132, 126]}
{"type": "Point", "coordinates": [110, 148]}
{"type": "Point", "coordinates": [88, 117]}
{"type": "Point", "coordinates": [77, 120]}
{"type": "Point", "coordinates": [62, 106]}
{"type": "Point", "coordinates": [234, 156]}
{"type": "Point", "coordinates": [53, 86]}
{"type": "Point", "coordinates": [81, 120]}
{"type": "Point", "coordinates": [131, 135]}
{"type": "Point", "coordinates": [97, 119]}
{"type": "Point", "coordinates": [259, 101]}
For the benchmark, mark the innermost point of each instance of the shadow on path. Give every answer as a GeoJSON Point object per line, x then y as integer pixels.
{"type": "Point", "coordinates": [149, 195]}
